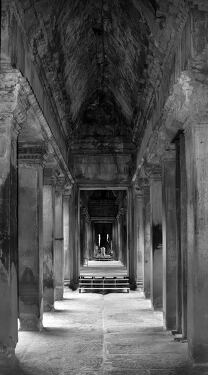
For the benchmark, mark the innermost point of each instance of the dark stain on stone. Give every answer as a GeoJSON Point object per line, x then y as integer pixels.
{"type": "Point", "coordinates": [157, 236]}
{"type": "Point", "coordinates": [28, 287]}
{"type": "Point", "coordinates": [8, 220]}
{"type": "Point", "coordinates": [48, 282]}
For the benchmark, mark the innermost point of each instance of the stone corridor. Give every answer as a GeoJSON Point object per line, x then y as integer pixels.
{"type": "Point", "coordinates": [91, 334]}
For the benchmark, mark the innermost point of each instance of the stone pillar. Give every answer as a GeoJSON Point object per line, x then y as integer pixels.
{"type": "Point", "coordinates": [8, 213]}
{"type": "Point", "coordinates": [30, 236]}
{"type": "Point", "coordinates": [124, 238]}
{"type": "Point", "coordinates": [119, 236]}
{"type": "Point", "coordinates": [59, 241]}
{"type": "Point", "coordinates": [82, 236]}
{"type": "Point", "coordinates": [169, 239]}
{"type": "Point", "coordinates": [197, 222]}
{"type": "Point", "coordinates": [114, 239]}
{"type": "Point", "coordinates": [48, 239]}
{"type": "Point", "coordinates": [156, 290]}
{"type": "Point", "coordinates": [181, 214]}
{"type": "Point", "coordinates": [139, 235]}
{"type": "Point", "coordinates": [93, 238]}
{"type": "Point", "coordinates": [131, 242]}
{"type": "Point", "coordinates": [74, 239]}
{"type": "Point", "coordinates": [183, 231]}
{"type": "Point", "coordinates": [88, 238]}
{"type": "Point", "coordinates": [67, 233]}
{"type": "Point", "coordinates": [147, 242]}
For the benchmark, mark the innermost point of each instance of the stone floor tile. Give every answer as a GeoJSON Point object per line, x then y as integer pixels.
{"type": "Point", "coordinates": [88, 334]}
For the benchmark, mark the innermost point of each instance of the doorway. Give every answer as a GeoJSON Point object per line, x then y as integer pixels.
{"type": "Point", "coordinates": [103, 233]}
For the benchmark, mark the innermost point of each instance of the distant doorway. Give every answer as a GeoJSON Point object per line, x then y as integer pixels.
{"type": "Point", "coordinates": [103, 233]}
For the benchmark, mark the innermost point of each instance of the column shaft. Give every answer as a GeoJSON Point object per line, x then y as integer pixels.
{"type": "Point", "coordinates": [156, 242]}
{"type": "Point", "coordinates": [139, 224]}
{"type": "Point", "coordinates": [59, 246]}
{"type": "Point", "coordinates": [74, 218]}
{"type": "Point", "coordinates": [197, 222]}
{"type": "Point", "coordinates": [183, 236]}
{"type": "Point", "coordinates": [8, 215]}
{"type": "Point", "coordinates": [147, 242]}
{"type": "Point", "coordinates": [169, 240]}
{"type": "Point", "coordinates": [131, 242]}
{"type": "Point", "coordinates": [48, 247]}
{"type": "Point", "coordinates": [67, 234]}
{"type": "Point", "coordinates": [30, 239]}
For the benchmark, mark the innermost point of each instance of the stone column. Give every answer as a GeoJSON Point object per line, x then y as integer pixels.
{"type": "Point", "coordinates": [48, 239]}
{"type": "Point", "coordinates": [147, 242]}
{"type": "Point", "coordinates": [114, 239]}
{"type": "Point", "coordinates": [119, 236]}
{"type": "Point", "coordinates": [131, 241]}
{"type": "Point", "coordinates": [30, 235]}
{"type": "Point", "coordinates": [74, 239]}
{"type": "Point", "coordinates": [66, 236]}
{"type": "Point", "coordinates": [183, 231]}
{"type": "Point", "coordinates": [59, 241]}
{"type": "Point", "coordinates": [197, 222]}
{"type": "Point", "coordinates": [82, 235]}
{"type": "Point", "coordinates": [8, 213]}
{"type": "Point", "coordinates": [156, 290]}
{"type": "Point", "coordinates": [88, 239]}
{"type": "Point", "coordinates": [124, 238]}
{"type": "Point", "coordinates": [93, 238]}
{"type": "Point", "coordinates": [139, 235]}
{"type": "Point", "coordinates": [169, 239]}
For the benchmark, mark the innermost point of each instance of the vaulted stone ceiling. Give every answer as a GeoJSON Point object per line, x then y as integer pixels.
{"type": "Point", "coordinates": [104, 59]}
{"type": "Point", "coordinates": [104, 45]}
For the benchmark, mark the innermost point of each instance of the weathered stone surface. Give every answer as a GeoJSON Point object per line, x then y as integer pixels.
{"type": "Point", "coordinates": [95, 350]}
{"type": "Point", "coordinates": [169, 228]}
{"type": "Point", "coordinates": [30, 245]}
{"type": "Point", "coordinates": [48, 246]}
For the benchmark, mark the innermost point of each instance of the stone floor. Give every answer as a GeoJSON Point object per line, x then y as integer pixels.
{"type": "Point", "coordinates": [88, 334]}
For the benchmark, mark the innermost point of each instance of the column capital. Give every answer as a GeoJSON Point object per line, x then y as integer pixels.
{"type": "Point", "coordinates": [121, 213]}
{"type": "Point", "coordinates": [60, 184]}
{"type": "Point", "coordinates": [153, 171]}
{"type": "Point", "coordinates": [84, 213]}
{"type": "Point", "coordinates": [31, 154]}
{"type": "Point", "coordinates": [49, 176]}
{"type": "Point", "coordinates": [169, 154]}
{"type": "Point", "coordinates": [68, 191]}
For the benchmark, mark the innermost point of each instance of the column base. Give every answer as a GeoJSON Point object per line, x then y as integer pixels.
{"type": "Point", "coordinates": [48, 299]}
{"type": "Point", "coordinates": [169, 323]}
{"type": "Point", "coordinates": [133, 284]}
{"type": "Point", "coordinates": [7, 352]}
{"type": "Point", "coordinates": [74, 284]}
{"type": "Point", "coordinates": [8, 360]}
{"type": "Point", "coordinates": [29, 322]}
{"type": "Point", "coordinates": [47, 307]}
{"type": "Point", "coordinates": [59, 293]}
{"type": "Point", "coordinates": [147, 294]}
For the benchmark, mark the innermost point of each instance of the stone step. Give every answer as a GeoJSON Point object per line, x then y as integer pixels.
{"type": "Point", "coordinates": [104, 284]}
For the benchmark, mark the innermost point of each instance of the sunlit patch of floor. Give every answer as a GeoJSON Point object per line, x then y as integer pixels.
{"type": "Point", "coordinates": [89, 334]}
